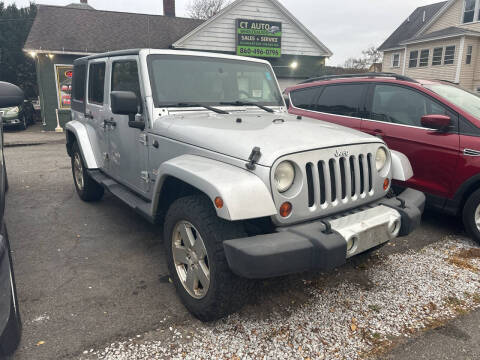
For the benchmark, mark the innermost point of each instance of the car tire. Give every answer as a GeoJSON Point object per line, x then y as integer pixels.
{"type": "Point", "coordinates": [13, 330]}
{"type": "Point", "coordinates": [87, 188]}
{"type": "Point", "coordinates": [226, 292]}
{"type": "Point", "coordinates": [24, 124]}
{"type": "Point", "coordinates": [471, 216]}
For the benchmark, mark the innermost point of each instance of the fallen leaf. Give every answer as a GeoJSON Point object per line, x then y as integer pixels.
{"type": "Point", "coordinates": [353, 327]}
{"type": "Point", "coordinates": [40, 343]}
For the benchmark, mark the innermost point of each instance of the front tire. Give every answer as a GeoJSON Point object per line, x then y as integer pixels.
{"type": "Point", "coordinates": [24, 124]}
{"type": "Point", "coordinates": [193, 238]}
{"type": "Point", "coordinates": [471, 216]}
{"type": "Point", "coordinates": [87, 188]}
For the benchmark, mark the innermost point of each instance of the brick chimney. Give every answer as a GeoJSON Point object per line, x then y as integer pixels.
{"type": "Point", "coordinates": [168, 7]}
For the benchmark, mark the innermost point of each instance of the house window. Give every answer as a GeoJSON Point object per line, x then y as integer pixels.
{"type": "Point", "coordinates": [437, 56]}
{"type": "Point", "coordinates": [424, 55]}
{"type": "Point", "coordinates": [449, 55]}
{"type": "Point", "coordinates": [396, 60]}
{"type": "Point", "coordinates": [469, 54]}
{"type": "Point", "coordinates": [469, 10]}
{"type": "Point", "coordinates": [413, 59]}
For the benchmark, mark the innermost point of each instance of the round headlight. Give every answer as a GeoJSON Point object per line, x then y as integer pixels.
{"type": "Point", "coordinates": [284, 176]}
{"type": "Point", "coordinates": [380, 158]}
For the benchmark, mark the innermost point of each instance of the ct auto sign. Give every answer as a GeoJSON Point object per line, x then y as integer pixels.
{"type": "Point", "coordinates": [259, 38]}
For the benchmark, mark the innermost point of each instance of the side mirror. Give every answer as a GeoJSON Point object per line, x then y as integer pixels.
{"type": "Point", "coordinates": [10, 95]}
{"type": "Point", "coordinates": [126, 103]}
{"type": "Point", "coordinates": [437, 122]}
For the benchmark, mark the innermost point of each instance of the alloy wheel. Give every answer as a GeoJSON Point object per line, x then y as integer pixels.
{"type": "Point", "coordinates": [477, 217]}
{"type": "Point", "coordinates": [191, 259]}
{"type": "Point", "coordinates": [78, 170]}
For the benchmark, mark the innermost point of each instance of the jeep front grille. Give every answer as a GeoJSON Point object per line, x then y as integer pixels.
{"type": "Point", "coordinates": [339, 180]}
{"type": "Point", "coordinates": [331, 181]}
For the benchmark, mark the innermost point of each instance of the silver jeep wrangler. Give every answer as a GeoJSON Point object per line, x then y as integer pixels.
{"type": "Point", "coordinates": [202, 144]}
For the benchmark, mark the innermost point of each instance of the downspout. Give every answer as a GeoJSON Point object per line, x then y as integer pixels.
{"type": "Point", "coordinates": [460, 60]}
{"type": "Point", "coordinates": [404, 61]}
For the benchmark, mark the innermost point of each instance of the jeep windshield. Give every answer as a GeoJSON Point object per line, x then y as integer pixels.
{"type": "Point", "coordinates": [211, 81]}
{"type": "Point", "coordinates": [463, 99]}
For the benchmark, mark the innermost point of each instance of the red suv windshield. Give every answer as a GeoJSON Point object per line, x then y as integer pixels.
{"type": "Point", "coordinates": [461, 98]}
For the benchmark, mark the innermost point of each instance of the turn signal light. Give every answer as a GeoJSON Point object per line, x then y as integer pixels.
{"type": "Point", "coordinates": [285, 209]}
{"type": "Point", "coordinates": [386, 182]}
{"type": "Point", "coordinates": [219, 202]}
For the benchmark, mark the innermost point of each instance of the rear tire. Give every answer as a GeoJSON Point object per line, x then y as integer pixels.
{"type": "Point", "coordinates": [471, 216]}
{"type": "Point", "coordinates": [224, 292]}
{"type": "Point", "coordinates": [13, 331]}
{"type": "Point", "coordinates": [87, 188]}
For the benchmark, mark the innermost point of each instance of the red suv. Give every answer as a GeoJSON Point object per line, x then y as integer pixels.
{"type": "Point", "coordinates": [434, 123]}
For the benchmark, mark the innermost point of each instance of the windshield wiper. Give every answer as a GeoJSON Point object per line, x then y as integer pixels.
{"type": "Point", "coordinates": [245, 103]}
{"type": "Point", "coordinates": [218, 111]}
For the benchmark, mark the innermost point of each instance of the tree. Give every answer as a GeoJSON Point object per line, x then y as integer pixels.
{"type": "Point", "coordinates": [369, 56]}
{"type": "Point", "coordinates": [372, 55]}
{"type": "Point", "coordinates": [205, 9]}
{"type": "Point", "coordinates": [355, 63]}
{"type": "Point", "coordinates": [15, 66]}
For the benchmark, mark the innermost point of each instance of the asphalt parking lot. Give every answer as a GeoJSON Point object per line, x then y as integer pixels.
{"type": "Point", "coordinates": [92, 274]}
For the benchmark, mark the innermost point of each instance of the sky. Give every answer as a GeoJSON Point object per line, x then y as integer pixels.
{"type": "Point", "coordinates": [346, 27]}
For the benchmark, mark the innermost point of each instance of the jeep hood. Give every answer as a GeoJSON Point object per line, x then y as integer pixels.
{"type": "Point", "coordinates": [275, 134]}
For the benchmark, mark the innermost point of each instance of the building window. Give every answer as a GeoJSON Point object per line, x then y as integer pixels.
{"type": "Point", "coordinates": [396, 60]}
{"type": "Point", "coordinates": [469, 54]}
{"type": "Point", "coordinates": [413, 59]}
{"type": "Point", "coordinates": [437, 56]}
{"type": "Point", "coordinates": [449, 55]}
{"type": "Point", "coordinates": [469, 10]}
{"type": "Point", "coordinates": [424, 55]}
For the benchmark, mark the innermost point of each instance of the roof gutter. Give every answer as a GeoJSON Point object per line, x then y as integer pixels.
{"type": "Point", "coordinates": [439, 38]}
{"type": "Point", "coordinates": [57, 52]}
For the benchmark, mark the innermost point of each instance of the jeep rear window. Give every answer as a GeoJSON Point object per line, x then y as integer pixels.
{"type": "Point", "coordinates": [211, 81]}
{"type": "Point", "coordinates": [79, 75]}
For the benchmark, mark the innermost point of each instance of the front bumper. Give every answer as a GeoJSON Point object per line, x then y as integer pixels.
{"type": "Point", "coordinates": [11, 121]}
{"type": "Point", "coordinates": [322, 244]}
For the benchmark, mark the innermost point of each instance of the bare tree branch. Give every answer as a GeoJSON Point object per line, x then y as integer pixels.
{"type": "Point", "coordinates": [205, 9]}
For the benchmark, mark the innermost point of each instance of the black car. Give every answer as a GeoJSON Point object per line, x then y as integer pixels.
{"type": "Point", "coordinates": [20, 115]}
{"type": "Point", "coordinates": [10, 323]}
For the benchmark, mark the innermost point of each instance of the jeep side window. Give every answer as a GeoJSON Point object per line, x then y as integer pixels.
{"type": "Point", "coordinates": [125, 77]}
{"type": "Point", "coordinates": [304, 98]}
{"type": "Point", "coordinates": [96, 83]}
{"type": "Point", "coordinates": [399, 105]}
{"type": "Point", "coordinates": [343, 100]}
{"type": "Point", "coordinates": [80, 73]}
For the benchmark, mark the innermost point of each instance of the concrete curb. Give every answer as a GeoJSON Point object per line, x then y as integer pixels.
{"type": "Point", "coordinates": [33, 143]}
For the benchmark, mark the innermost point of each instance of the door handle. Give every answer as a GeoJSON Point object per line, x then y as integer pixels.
{"type": "Point", "coordinates": [88, 116]}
